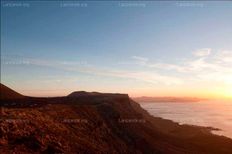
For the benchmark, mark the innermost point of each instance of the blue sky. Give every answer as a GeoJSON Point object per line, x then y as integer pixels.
{"type": "Point", "coordinates": [140, 48]}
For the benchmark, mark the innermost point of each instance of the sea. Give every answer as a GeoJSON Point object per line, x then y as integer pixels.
{"type": "Point", "coordinates": [217, 114]}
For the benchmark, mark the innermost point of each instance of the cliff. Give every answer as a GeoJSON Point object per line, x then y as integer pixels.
{"type": "Point", "coordinates": [85, 122]}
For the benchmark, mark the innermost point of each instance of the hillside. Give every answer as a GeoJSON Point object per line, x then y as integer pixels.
{"type": "Point", "coordinates": [97, 123]}
{"type": "Point", "coordinates": [7, 93]}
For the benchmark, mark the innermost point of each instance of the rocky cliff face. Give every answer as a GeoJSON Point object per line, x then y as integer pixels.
{"type": "Point", "coordinates": [97, 123]}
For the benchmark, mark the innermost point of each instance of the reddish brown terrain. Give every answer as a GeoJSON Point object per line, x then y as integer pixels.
{"type": "Point", "coordinates": [91, 123]}
{"type": "Point", "coordinates": [7, 93]}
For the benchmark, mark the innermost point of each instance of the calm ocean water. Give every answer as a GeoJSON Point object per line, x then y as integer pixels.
{"type": "Point", "coordinates": [217, 114]}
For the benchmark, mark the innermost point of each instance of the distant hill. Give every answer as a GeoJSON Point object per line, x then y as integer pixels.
{"type": "Point", "coordinates": [7, 93]}
{"type": "Point", "coordinates": [144, 99]}
{"type": "Point", "coordinates": [84, 93]}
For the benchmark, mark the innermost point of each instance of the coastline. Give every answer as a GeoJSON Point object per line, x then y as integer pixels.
{"type": "Point", "coordinates": [213, 130]}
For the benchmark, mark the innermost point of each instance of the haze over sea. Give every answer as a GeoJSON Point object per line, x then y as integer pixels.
{"type": "Point", "coordinates": [217, 114]}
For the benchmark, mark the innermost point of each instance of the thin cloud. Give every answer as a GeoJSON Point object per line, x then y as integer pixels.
{"type": "Point", "coordinates": [149, 76]}
{"type": "Point", "coordinates": [202, 68]}
{"type": "Point", "coordinates": [140, 60]}
{"type": "Point", "coordinates": [202, 52]}
{"type": "Point", "coordinates": [224, 56]}
{"type": "Point", "coordinates": [214, 68]}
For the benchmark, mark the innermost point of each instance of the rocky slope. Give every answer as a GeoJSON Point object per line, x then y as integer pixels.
{"type": "Point", "coordinates": [96, 123]}
{"type": "Point", "coordinates": [7, 93]}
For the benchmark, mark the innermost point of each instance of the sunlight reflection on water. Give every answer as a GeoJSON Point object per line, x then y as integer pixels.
{"type": "Point", "coordinates": [216, 114]}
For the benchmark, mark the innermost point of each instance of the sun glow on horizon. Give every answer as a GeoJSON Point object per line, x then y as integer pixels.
{"type": "Point", "coordinates": [158, 52]}
{"type": "Point", "coordinates": [226, 93]}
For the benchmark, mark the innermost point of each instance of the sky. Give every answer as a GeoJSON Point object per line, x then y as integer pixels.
{"type": "Point", "coordinates": [153, 48]}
